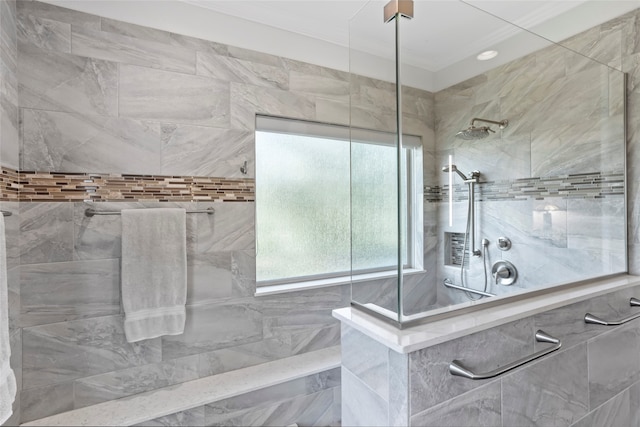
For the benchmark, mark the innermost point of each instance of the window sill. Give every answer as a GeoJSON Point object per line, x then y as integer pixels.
{"type": "Point", "coordinates": [334, 281]}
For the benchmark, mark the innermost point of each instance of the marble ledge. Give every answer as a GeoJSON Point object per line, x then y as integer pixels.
{"type": "Point", "coordinates": [415, 338]}
{"type": "Point", "coordinates": [169, 400]}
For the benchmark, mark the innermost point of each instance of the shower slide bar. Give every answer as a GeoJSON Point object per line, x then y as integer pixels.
{"type": "Point", "coordinates": [456, 368]}
{"type": "Point", "coordinates": [595, 320]}
{"type": "Point", "coordinates": [91, 212]}
{"type": "Point", "coordinates": [450, 284]}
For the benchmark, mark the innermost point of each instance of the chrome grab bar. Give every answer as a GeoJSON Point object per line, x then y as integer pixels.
{"type": "Point", "coordinates": [456, 367]}
{"type": "Point", "coordinates": [449, 284]}
{"type": "Point", "coordinates": [595, 320]}
{"type": "Point", "coordinates": [91, 212]}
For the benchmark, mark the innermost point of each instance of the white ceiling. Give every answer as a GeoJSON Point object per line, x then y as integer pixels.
{"type": "Point", "coordinates": [439, 44]}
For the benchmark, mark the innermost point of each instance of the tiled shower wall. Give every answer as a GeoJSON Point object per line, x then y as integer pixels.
{"type": "Point", "coordinates": [552, 181]}
{"type": "Point", "coordinates": [101, 97]}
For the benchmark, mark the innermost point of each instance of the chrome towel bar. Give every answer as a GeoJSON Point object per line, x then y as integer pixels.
{"type": "Point", "coordinates": [595, 320]}
{"type": "Point", "coordinates": [448, 284]}
{"type": "Point", "coordinates": [91, 212]}
{"type": "Point", "coordinates": [456, 367]}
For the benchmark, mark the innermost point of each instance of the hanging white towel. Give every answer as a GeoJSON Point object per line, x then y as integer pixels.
{"type": "Point", "coordinates": [154, 272]}
{"type": "Point", "coordinates": [7, 378]}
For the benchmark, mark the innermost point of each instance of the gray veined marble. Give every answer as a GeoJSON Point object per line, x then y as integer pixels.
{"type": "Point", "coordinates": [215, 326]}
{"type": "Point", "coordinates": [63, 82]}
{"type": "Point", "coordinates": [151, 94]}
{"type": "Point", "coordinates": [135, 31]}
{"type": "Point", "coordinates": [231, 69]}
{"type": "Point", "coordinates": [204, 151]}
{"type": "Point", "coordinates": [61, 14]}
{"type": "Point", "coordinates": [57, 292]}
{"type": "Point", "coordinates": [127, 382]}
{"type": "Point", "coordinates": [232, 228]}
{"type": "Point", "coordinates": [209, 277]}
{"type": "Point", "coordinates": [42, 402]}
{"type": "Point", "coordinates": [43, 33]}
{"type": "Point", "coordinates": [367, 359]}
{"type": "Point", "coordinates": [550, 392]}
{"type": "Point", "coordinates": [617, 412]}
{"type": "Point", "coordinates": [89, 143]}
{"type": "Point", "coordinates": [315, 339]}
{"type": "Point", "coordinates": [191, 417]}
{"type": "Point", "coordinates": [130, 50]}
{"type": "Point", "coordinates": [46, 232]}
{"type": "Point", "coordinates": [323, 87]}
{"type": "Point", "coordinates": [363, 407]}
{"type": "Point", "coordinates": [243, 273]}
{"type": "Point", "coordinates": [66, 351]}
{"type": "Point", "coordinates": [479, 407]}
{"type": "Point", "coordinates": [613, 363]}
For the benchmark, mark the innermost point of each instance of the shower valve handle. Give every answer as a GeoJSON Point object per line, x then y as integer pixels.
{"type": "Point", "coordinates": [502, 273]}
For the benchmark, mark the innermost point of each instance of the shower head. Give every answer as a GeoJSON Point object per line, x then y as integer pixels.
{"type": "Point", "coordinates": [455, 169]}
{"type": "Point", "coordinates": [473, 132]}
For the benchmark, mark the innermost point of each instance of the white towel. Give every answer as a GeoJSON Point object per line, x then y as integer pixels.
{"type": "Point", "coordinates": [7, 378]}
{"type": "Point", "coordinates": [154, 272]}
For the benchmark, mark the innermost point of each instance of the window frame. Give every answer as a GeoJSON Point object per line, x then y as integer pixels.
{"type": "Point", "coordinates": [413, 163]}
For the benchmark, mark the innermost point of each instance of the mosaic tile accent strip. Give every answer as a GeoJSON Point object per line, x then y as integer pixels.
{"type": "Point", "coordinates": [576, 186]}
{"type": "Point", "coordinates": [74, 187]}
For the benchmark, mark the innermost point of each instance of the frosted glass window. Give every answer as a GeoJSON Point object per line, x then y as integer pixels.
{"type": "Point", "coordinates": [323, 202]}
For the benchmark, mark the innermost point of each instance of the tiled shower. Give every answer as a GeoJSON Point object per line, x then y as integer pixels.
{"type": "Point", "coordinates": [100, 113]}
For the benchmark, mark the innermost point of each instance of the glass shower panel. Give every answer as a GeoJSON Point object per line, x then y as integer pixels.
{"type": "Point", "coordinates": [538, 181]}
{"type": "Point", "coordinates": [375, 246]}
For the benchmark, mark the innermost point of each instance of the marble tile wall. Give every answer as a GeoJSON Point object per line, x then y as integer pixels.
{"type": "Point", "coordinates": [592, 380]}
{"type": "Point", "coordinates": [543, 174]}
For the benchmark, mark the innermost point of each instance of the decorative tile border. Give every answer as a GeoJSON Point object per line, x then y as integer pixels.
{"type": "Point", "coordinates": [75, 187]}
{"type": "Point", "coordinates": [575, 186]}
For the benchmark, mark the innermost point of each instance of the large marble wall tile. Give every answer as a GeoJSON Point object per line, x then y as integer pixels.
{"type": "Point", "coordinates": [430, 380]}
{"type": "Point", "coordinates": [361, 406]}
{"type": "Point", "coordinates": [480, 407]}
{"type": "Point", "coordinates": [324, 87]}
{"type": "Point", "coordinates": [191, 417]}
{"type": "Point", "coordinates": [551, 392]}
{"type": "Point", "coordinates": [367, 359]}
{"type": "Point", "coordinates": [146, 93]}
{"type": "Point", "coordinates": [199, 45]}
{"type": "Point", "coordinates": [43, 33]}
{"type": "Point", "coordinates": [127, 382]}
{"type": "Point", "coordinates": [206, 151]}
{"type": "Point", "coordinates": [315, 339]}
{"type": "Point", "coordinates": [62, 291]}
{"type": "Point", "coordinates": [242, 356]}
{"type": "Point", "coordinates": [302, 311]}
{"type": "Point", "coordinates": [100, 236]}
{"type": "Point", "coordinates": [215, 326]}
{"type": "Point", "coordinates": [249, 100]}
{"type": "Point", "coordinates": [398, 389]}
{"type": "Point", "coordinates": [243, 273]}
{"type": "Point", "coordinates": [12, 233]}
{"type": "Point", "coordinates": [309, 410]}
{"type": "Point", "coordinates": [56, 141]}
{"type": "Point", "coordinates": [45, 401]}
{"type": "Point", "coordinates": [597, 224]}
{"type": "Point", "coordinates": [223, 67]}
{"type": "Point", "coordinates": [381, 292]}
{"type": "Point", "coordinates": [63, 82]}
{"type": "Point", "coordinates": [130, 50]}
{"type": "Point", "coordinates": [61, 14]}
{"type": "Point", "coordinates": [46, 232]}
{"type": "Point", "coordinates": [616, 412]}
{"type": "Point", "coordinates": [255, 56]}
{"type": "Point", "coordinates": [613, 363]}
{"type": "Point", "coordinates": [567, 324]}
{"type": "Point", "coordinates": [601, 43]}
{"type": "Point", "coordinates": [331, 111]}
{"type": "Point", "coordinates": [209, 277]}
{"type": "Point", "coordinates": [419, 292]}
{"type": "Point", "coordinates": [135, 31]}
{"type": "Point", "coordinates": [66, 351]}
{"type": "Point", "coordinates": [231, 228]}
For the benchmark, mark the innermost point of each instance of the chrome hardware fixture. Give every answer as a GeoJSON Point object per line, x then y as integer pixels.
{"type": "Point", "coordinates": [473, 132]}
{"type": "Point", "coordinates": [504, 272]}
{"type": "Point", "coordinates": [244, 168]}
{"type": "Point", "coordinates": [91, 212]}
{"type": "Point", "coordinates": [456, 368]}
{"type": "Point", "coordinates": [595, 320]}
{"type": "Point", "coordinates": [449, 284]}
{"type": "Point", "coordinates": [504, 243]}
{"type": "Point", "coordinates": [6, 213]}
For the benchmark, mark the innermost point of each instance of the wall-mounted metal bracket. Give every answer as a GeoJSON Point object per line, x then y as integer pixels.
{"type": "Point", "coordinates": [394, 7]}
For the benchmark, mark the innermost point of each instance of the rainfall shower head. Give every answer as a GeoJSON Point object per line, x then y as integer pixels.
{"type": "Point", "coordinates": [455, 169]}
{"type": "Point", "coordinates": [473, 132]}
